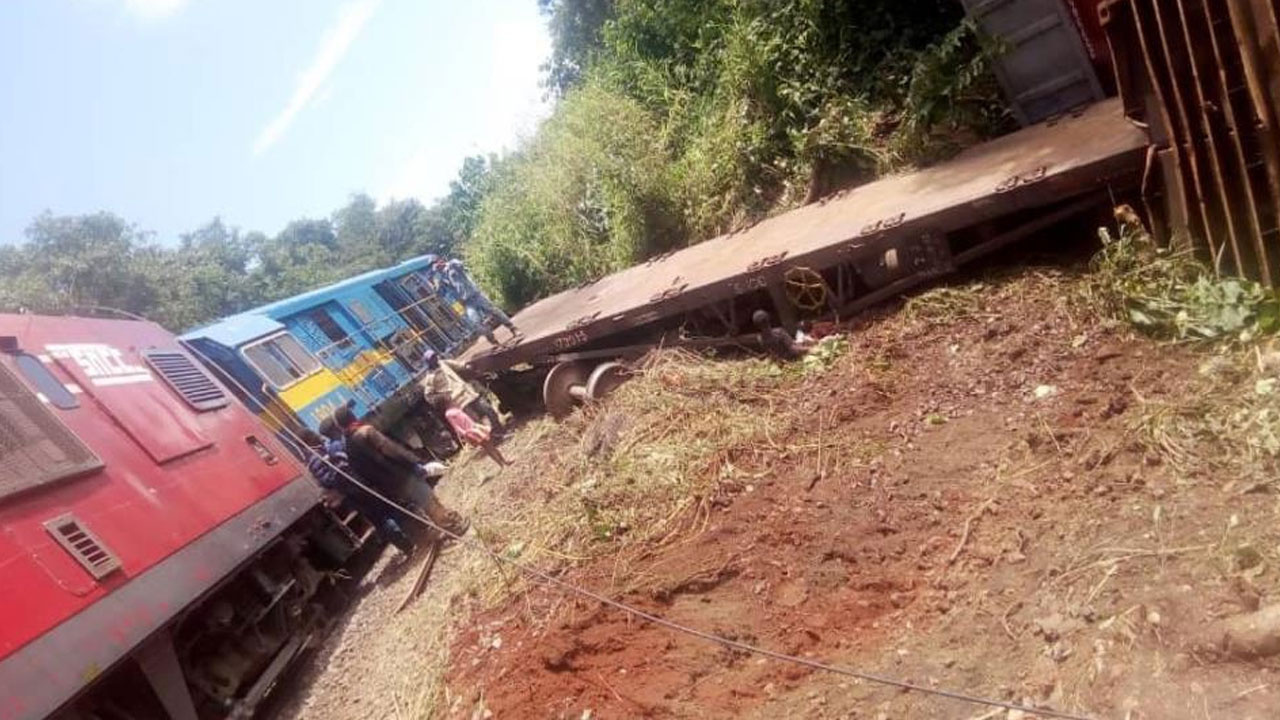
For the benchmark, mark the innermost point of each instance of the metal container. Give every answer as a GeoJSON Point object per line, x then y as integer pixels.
{"type": "Point", "coordinates": [1044, 68]}
{"type": "Point", "coordinates": [1204, 77]}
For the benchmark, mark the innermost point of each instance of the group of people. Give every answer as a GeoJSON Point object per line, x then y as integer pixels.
{"type": "Point", "coordinates": [351, 457]}
{"type": "Point", "coordinates": [347, 453]}
{"type": "Point", "coordinates": [366, 468]}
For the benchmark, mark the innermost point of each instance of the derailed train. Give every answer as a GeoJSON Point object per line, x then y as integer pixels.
{"type": "Point", "coordinates": [162, 551]}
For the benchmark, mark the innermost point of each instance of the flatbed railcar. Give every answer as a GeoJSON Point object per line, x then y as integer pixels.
{"type": "Point", "coordinates": [830, 258]}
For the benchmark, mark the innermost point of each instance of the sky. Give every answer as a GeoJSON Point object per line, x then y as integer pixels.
{"type": "Point", "coordinates": [171, 112]}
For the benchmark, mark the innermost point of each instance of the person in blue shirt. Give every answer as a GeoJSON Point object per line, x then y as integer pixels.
{"type": "Point", "coordinates": [474, 300]}
{"type": "Point", "coordinates": [328, 463]}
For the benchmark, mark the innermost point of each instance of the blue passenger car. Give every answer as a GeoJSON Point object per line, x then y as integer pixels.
{"type": "Point", "coordinates": [358, 342]}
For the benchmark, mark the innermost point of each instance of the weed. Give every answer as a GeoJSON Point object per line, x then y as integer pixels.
{"type": "Point", "coordinates": [825, 354]}
{"type": "Point", "coordinates": [1168, 294]}
{"type": "Point", "coordinates": [946, 304]}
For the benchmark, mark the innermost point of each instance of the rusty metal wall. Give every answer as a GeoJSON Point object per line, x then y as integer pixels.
{"type": "Point", "coordinates": [1204, 76]}
{"type": "Point", "coordinates": [1044, 69]}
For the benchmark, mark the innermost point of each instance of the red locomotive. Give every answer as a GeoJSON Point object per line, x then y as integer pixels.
{"type": "Point", "coordinates": [160, 552]}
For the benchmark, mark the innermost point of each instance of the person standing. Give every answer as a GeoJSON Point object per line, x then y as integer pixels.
{"type": "Point", "coordinates": [386, 464]}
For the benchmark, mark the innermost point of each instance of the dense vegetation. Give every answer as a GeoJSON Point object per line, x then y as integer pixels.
{"type": "Point", "coordinates": [674, 120]}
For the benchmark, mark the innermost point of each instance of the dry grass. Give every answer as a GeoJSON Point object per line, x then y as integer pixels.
{"type": "Point", "coordinates": [1226, 425]}
{"type": "Point", "coordinates": [616, 479]}
{"type": "Point", "coordinates": [647, 467]}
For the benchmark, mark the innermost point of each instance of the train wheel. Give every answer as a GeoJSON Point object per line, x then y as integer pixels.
{"type": "Point", "coordinates": [806, 289]}
{"type": "Point", "coordinates": [564, 387]}
{"type": "Point", "coordinates": [605, 379]}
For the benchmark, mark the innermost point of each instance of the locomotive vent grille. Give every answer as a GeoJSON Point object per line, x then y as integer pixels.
{"type": "Point", "coordinates": [187, 379]}
{"type": "Point", "coordinates": [83, 545]}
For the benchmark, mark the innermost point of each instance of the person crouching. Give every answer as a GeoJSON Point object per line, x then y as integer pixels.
{"type": "Point", "coordinates": [327, 462]}
{"type": "Point", "coordinates": [469, 431]}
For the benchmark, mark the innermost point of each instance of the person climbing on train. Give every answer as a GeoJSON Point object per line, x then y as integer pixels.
{"type": "Point", "coordinates": [472, 298]}
{"type": "Point", "coordinates": [454, 380]}
{"type": "Point", "coordinates": [328, 464]}
{"type": "Point", "coordinates": [456, 298]}
{"type": "Point", "coordinates": [386, 463]}
{"type": "Point", "coordinates": [469, 431]}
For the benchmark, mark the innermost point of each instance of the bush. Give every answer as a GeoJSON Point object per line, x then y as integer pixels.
{"type": "Point", "coordinates": [1169, 294]}
{"type": "Point", "coordinates": [588, 195]}
{"type": "Point", "coordinates": [696, 117]}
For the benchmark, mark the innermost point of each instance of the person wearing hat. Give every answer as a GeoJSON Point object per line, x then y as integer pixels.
{"type": "Point", "coordinates": [451, 380]}
{"type": "Point", "coordinates": [385, 463]}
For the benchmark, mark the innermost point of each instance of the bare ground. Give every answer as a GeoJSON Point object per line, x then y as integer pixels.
{"type": "Point", "coordinates": [993, 491]}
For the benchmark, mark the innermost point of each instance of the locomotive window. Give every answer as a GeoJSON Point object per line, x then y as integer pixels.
{"type": "Point", "coordinates": [281, 360]}
{"type": "Point", "coordinates": [35, 448]}
{"type": "Point", "coordinates": [45, 383]}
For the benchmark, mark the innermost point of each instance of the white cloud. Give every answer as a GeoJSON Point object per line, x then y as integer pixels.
{"type": "Point", "coordinates": [333, 47]}
{"type": "Point", "coordinates": [513, 107]}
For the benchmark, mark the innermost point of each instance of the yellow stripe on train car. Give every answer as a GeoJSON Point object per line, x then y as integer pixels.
{"type": "Point", "coordinates": [311, 388]}
{"type": "Point", "coordinates": [364, 365]}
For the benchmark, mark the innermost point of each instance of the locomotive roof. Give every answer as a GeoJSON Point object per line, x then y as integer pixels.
{"type": "Point", "coordinates": [235, 330]}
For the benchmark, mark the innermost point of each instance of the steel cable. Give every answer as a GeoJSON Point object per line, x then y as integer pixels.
{"type": "Point", "coordinates": [636, 612]}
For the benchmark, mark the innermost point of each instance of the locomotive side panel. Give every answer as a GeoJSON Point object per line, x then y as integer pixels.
{"type": "Point", "coordinates": [189, 488]}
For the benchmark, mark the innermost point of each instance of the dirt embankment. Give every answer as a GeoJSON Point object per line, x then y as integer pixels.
{"type": "Point", "coordinates": [992, 492]}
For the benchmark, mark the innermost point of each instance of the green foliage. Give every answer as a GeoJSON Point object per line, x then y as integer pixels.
{"type": "Point", "coordinates": [751, 106]}
{"type": "Point", "coordinates": [575, 32]}
{"type": "Point", "coordinates": [590, 194]}
{"type": "Point", "coordinates": [675, 120]}
{"type": "Point", "coordinates": [1169, 294]}
{"type": "Point", "coordinates": [824, 355]}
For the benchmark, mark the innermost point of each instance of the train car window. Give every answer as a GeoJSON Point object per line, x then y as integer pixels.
{"type": "Point", "coordinates": [281, 360]}
{"type": "Point", "coordinates": [45, 383]}
{"type": "Point", "coordinates": [296, 354]}
{"type": "Point", "coordinates": [35, 447]}
{"type": "Point", "coordinates": [329, 327]}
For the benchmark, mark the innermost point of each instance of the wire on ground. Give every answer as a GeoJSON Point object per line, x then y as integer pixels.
{"type": "Point", "coordinates": [636, 612]}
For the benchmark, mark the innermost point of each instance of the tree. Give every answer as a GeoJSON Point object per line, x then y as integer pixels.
{"type": "Point", "coordinates": [79, 261]}
{"type": "Point", "coordinates": [590, 194]}
{"type": "Point", "coordinates": [205, 277]}
{"type": "Point", "coordinates": [398, 224]}
{"type": "Point", "coordinates": [355, 228]}
{"type": "Point", "coordinates": [575, 27]}
{"type": "Point", "coordinates": [466, 193]}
